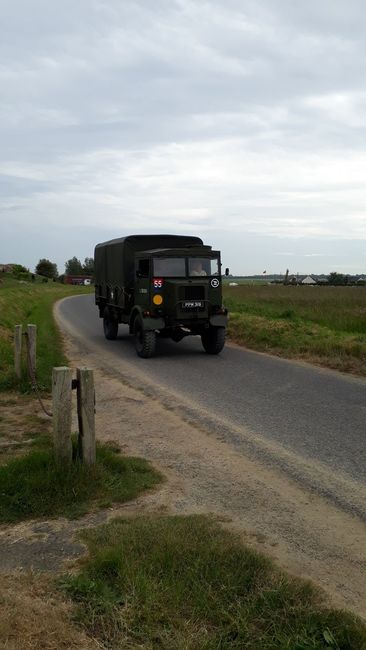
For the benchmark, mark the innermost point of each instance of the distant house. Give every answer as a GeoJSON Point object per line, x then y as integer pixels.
{"type": "Point", "coordinates": [6, 268]}
{"type": "Point", "coordinates": [77, 279]}
{"type": "Point", "coordinates": [308, 280]}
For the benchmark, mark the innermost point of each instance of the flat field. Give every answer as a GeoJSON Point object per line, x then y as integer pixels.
{"type": "Point", "coordinates": [325, 325]}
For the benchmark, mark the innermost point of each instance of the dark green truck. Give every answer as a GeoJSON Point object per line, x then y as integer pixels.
{"type": "Point", "coordinates": [160, 285]}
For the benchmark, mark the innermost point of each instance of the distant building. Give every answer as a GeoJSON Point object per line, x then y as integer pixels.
{"type": "Point", "coordinates": [6, 268]}
{"type": "Point", "coordinates": [308, 280]}
{"type": "Point", "coordinates": [77, 279]}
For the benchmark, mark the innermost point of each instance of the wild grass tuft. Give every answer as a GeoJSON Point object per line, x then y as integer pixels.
{"type": "Point", "coordinates": [185, 583]}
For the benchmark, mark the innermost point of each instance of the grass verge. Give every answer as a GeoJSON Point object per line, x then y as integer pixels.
{"type": "Point", "coordinates": [185, 583]}
{"type": "Point", "coordinates": [23, 303]}
{"type": "Point", "coordinates": [34, 486]}
{"type": "Point", "coordinates": [299, 340]}
{"type": "Point", "coordinates": [318, 324]}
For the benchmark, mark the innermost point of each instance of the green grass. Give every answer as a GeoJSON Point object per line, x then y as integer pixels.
{"type": "Point", "coordinates": [23, 303]}
{"type": "Point", "coordinates": [34, 486]}
{"type": "Point", "coordinates": [185, 583]}
{"type": "Point", "coordinates": [326, 324]}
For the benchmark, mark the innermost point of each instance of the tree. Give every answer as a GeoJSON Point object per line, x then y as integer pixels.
{"type": "Point", "coordinates": [46, 268]}
{"type": "Point", "coordinates": [20, 272]}
{"type": "Point", "coordinates": [88, 267]}
{"type": "Point", "coordinates": [74, 267]}
{"type": "Point", "coordinates": [337, 279]}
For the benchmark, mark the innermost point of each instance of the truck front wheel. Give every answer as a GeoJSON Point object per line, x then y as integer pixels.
{"type": "Point", "coordinates": [110, 325]}
{"type": "Point", "coordinates": [213, 339]}
{"type": "Point", "coordinates": [145, 340]}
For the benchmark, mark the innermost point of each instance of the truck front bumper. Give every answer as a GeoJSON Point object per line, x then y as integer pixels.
{"type": "Point", "coordinates": [216, 320]}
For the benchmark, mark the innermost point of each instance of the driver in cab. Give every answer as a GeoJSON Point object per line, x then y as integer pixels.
{"type": "Point", "coordinates": [197, 269]}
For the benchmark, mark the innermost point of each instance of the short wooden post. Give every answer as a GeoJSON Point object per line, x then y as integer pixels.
{"type": "Point", "coordinates": [86, 415]}
{"type": "Point", "coordinates": [32, 349]}
{"type": "Point", "coordinates": [18, 351]}
{"type": "Point", "coordinates": [61, 407]}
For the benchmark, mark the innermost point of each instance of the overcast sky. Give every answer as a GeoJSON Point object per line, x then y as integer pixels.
{"type": "Point", "coordinates": [241, 121]}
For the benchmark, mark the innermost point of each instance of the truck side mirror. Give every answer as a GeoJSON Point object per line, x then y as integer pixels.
{"type": "Point", "coordinates": [227, 272]}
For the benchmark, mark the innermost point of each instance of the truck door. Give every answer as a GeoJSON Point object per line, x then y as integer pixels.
{"type": "Point", "coordinates": [142, 283]}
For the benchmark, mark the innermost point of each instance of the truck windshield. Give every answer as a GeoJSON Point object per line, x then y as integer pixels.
{"type": "Point", "coordinates": [170, 267]}
{"type": "Point", "coordinates": [203, 266]}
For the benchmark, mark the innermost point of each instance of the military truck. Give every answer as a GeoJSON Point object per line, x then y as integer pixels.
{"type": "Point", "coordinates": [160, 285]}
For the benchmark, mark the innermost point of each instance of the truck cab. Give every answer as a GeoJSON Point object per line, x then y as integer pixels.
{"type": "Point", "coordinates": [170, 290]}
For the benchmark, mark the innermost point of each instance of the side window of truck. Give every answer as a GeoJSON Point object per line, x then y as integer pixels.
{"type": "Point", "coordinates": [143, 269]}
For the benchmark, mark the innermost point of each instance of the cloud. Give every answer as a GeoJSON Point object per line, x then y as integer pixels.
{"type": "Point", "coordinates": [317, 255]}
{"type": "Point", "coordinates": [244, 116]}
{"type": "Point", "coordinates": [220, 181]}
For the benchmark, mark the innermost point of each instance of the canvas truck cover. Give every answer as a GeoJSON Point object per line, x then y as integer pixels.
{"type": "Point", "coordinates": [114, 259]}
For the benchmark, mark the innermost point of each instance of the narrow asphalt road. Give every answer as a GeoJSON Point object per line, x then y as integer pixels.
{"type": "Point", "coordinates": [317, 415]}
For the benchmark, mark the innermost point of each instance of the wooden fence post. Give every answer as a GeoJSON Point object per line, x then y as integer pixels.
{"type": "Point", "coordinates": [18, 351]}
{"type": "Point", "coordinates": [86, 416]}
{"type": "Point", "coordinates": [61, 408]}
{"type": "Point", "coordinates": [32, 349]}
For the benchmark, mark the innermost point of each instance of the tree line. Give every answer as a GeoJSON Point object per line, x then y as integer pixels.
{"type": "Point", "coordinates": [73, 266]}
{"type": "Point", "coordinates": [48, 269]}
{"type": "Point", "coordinates": [340, 279]}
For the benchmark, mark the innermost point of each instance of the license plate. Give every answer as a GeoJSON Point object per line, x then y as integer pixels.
{"type": "Point", "coordinates": [192, 304]}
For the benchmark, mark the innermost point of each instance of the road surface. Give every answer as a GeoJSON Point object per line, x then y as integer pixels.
{"type": "Point", "coordinates": [308, 421]}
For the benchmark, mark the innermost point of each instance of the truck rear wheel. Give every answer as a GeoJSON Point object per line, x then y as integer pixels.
{"type": "Point", "coordinates": [110, 325]}
{"type": "Point", "coordinates": [213, 339]}
{"type": "Point", "coordinates": [145, 340]}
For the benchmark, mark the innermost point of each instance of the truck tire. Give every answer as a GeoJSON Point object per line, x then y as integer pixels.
{"type": "Point", "coordinates": [145, 340]}
{"type": "Point", "coordinates": [213, 339]}
{"type": "Point", "coordinates": [110, 325]}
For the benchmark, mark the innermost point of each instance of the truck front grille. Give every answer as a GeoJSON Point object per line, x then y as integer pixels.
{"type": "Point", "coordinates": [192, 292]}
